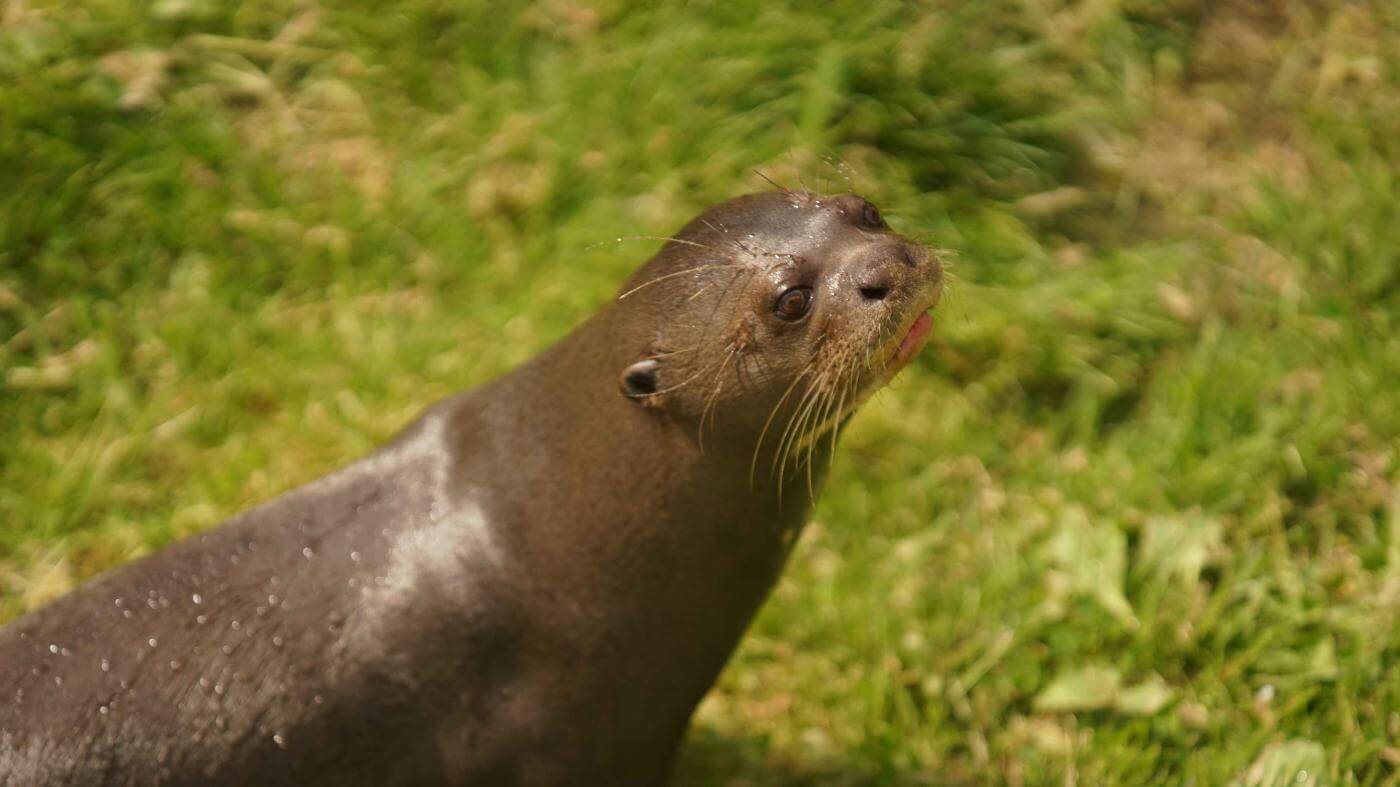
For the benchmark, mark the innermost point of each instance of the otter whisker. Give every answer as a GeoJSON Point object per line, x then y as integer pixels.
{"type": "Point", "coordinates": [682, 383]}
{"type": "Point", "coordinates": [769, 180]}
{"type": "Point", "coordinates": [843, 169]}
{"type": "Point", "coordinates": [830, 415]}
{"type": "Point", "coordinates": [810, 440]}
{"type": "Point", "coordinates": [793, 425]}
{"type": "Point", "coordinates": [699, 292]}
{"type": "Point", "coordinates": [709, 408]}
{"type": "Point", "coordinates": [840, 409]}
{"type": "Point", "coordinates": [758, 446]}
{"type": "Point", "coordinates": [735, 241]}
{"type": "Point", "coordinates": [798, 427]}
{"type": "Point", "coordinates": [794, 428]}
{"type": "Point", "coordinates": [747, 249]}
{"type": "Point", "coordinates": [674, 274]}
{"type": "Point", "coordinates": [672, 353]}
{"type": "Point", "coordinates": [724, 296]}
{"type": "Point", "coordinates": [623, 238]}
{"type": "Point", "coordinates": [792, 156]}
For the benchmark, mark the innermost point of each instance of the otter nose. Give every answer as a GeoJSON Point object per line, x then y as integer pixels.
{"type": "Point", "coordinates": [875, 290]}
{"type": "Point", "coordinates": [881, 277]}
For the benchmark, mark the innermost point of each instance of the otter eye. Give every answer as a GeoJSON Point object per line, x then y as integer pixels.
{"type": "Point", "coordinates": [870, 217]}
{"type": "Point", "coordinates": [793, 303]}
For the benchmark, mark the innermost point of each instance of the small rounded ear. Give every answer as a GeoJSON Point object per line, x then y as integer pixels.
{"type": "Point", "coordinates": [641, 378]}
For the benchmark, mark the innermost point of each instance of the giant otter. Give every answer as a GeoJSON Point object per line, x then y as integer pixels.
{"type": "Point", "coordinates": [534, 583]}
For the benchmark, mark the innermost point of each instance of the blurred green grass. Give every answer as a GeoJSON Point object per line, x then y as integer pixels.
{"type": "Point", "coordinates": [1134, 518]}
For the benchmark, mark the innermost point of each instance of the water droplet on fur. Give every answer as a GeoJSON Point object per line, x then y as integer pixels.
{"type": "Point", "coordinates": [174, 666]}
{"type": "Point", "coordinates": [126, 613]}
{"type": "Point", "coordinates": [219, 689]}
{"type": "Point", "coordinates": [53, 649]}
{"type": "Point", "coordinates": [102, 709]}
{"type": "Point", "coordinates": [118, 601]}
{"type": "Point", "coordinates": [279, 740]}
{"type": "Point", "coordinates": [277, 642]}
{"type": "Point", "coordinates": [151, 642]}
{"type": "Point", "coordinates": [354, 557]}
{"type": "Point", "coordinates": [235, 625]}
{"type": "Point", "coordinates": [196, 598]}
{"type": "Point", "coordinates": [106, 665]}
{"type": "Point", "coordinates": [307, 553]}
{"type": "Point", "coordinates": [227, 649]}
{"type": "Point", "coordinates": [201, 619]}
{"type": "Point", "coordinates": [150, 602]}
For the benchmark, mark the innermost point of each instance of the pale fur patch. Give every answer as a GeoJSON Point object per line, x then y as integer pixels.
{"type": "Point", "coordinates": [442, 559]}
{"type": "Point", "coordinates": [22, 761]}
{"type": "Point", "coordinates": [442, 554]}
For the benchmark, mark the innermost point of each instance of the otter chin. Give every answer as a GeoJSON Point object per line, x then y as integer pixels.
{"type": "Point", "coordinates": [537, 580]}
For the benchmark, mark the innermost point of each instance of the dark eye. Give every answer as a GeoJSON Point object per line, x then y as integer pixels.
{"type": "Point", "coordinates": [870, 217]}
{"type": "Point", "coordinates": [794, 303]}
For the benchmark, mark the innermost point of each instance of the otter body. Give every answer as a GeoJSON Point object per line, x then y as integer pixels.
{"type": "Point", "coordinates": [535, 583]}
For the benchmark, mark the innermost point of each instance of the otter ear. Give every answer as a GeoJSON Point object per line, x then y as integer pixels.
{"type": "Point", "coordinates": [641, 379]}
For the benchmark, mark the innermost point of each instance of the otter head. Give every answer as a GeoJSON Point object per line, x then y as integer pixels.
{"type": "Point", "coordinates": [773, 316]}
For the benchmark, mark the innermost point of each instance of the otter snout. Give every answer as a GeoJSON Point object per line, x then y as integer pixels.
{"type": "Point", "coordinates": [903, 266]}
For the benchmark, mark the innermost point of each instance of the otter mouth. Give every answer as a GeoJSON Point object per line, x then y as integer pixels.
{"type": "Point", "coordinates": [913, 341]}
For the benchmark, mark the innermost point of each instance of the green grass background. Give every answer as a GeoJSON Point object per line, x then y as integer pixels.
{"type": "Point", "coordinates": [1133, 518]}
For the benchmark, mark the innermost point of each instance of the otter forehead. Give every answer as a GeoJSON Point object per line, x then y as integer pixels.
{"type": "Point", "coordinates": [785, 222]}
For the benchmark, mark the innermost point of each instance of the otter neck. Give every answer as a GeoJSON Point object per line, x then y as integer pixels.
{"type": "Point", "coordinates": [647, 545]}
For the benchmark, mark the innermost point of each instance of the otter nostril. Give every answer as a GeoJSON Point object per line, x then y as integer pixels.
{"type": "Point", "coordinates": [911, 258]}
{"type": "Point", "coordinates": [876, 293]}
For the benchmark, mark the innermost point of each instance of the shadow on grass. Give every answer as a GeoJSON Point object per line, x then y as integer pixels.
{"type": "Point", "coordinates": [710, 758]}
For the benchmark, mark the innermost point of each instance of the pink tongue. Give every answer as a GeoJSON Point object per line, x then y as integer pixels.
{"type": "Point", "coordinates": [914, 340]}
